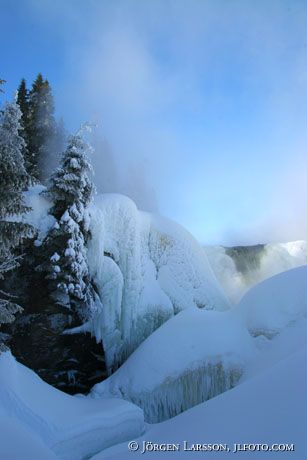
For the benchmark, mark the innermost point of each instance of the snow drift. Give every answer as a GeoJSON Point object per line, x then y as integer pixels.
{"type": "Point", "coordinates": [275, 303]}
{"type": "Point", "coordinates": [146, 269]}
{"type": "Point", "coordinates": [191, 358]}
{"type": "Point", "coordinates": [270, 408]}
{"type": "Point", "coordinates": [239, 268]}
{"type": "Point", "coordinates": [48, 422]}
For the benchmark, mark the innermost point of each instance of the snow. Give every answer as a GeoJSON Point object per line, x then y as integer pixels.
{"type": "Point", "coordinates": [53, 422]}
{"type": "Point", "coordinates": [146, 269]}
{"type": "Point", "coordinates": [189, 359]}
{"type": "Point", "coordinates": [290, 340]}
{"type": "Point", "coordinates": [55, 257]}
{"type": "Point", "coordinates": [270, 408]}
{"type": "Point", "coordinates": [169, 372]}
{"type": "Point", "coordinates": [275, 303]}
{"type": "Point", "coordinates": [162, 310]}
{"type": "Point", "coordinates": [18, 442]}
{"type": "Point", "coordinates": [256, 266]}
{"type": "Point", "coordinates": [74, 162]}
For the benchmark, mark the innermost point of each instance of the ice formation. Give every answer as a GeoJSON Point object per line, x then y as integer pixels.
{"type": "Point", "coordinates": [239, 269]}
{"type": "Point", "coordinates": [146, 269]}
{"type": "Point", "coordinates": [189, 359]}
{"type": "Point", "coordinates": [55, 425]}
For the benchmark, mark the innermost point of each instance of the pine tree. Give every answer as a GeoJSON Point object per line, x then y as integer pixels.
{"type": "Point", "coordinates": [23, 102]}
{"type": "Point", "coordinates": [14, 179]}
{"type": "Point", "coordinates": [71, 191]}
{"type": "Point", "coordinates": [42, 128]}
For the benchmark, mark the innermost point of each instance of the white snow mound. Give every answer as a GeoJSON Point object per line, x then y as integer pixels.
{"type": "Point", "coordinates": [146, 269]}
{"type": "Point", "coordinates": [189, 359]}
{"type": "Point", "coordinates": [275, 303]}
{"type": "Point", "coordinates": [65, 427]}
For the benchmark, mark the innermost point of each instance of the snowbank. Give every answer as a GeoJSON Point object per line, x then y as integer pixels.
{"type": "Point", "coordinates": [53, 422]}
{"type": "Point", "coordinates": [238, 269]}
{"type": "Point", "coordinates": [18, 442]}
{"type": "Point", "coordinates": [191, 358]}
{"type": "Point", "coordinates": [275, 303]}
{"type": "Point", "coordinates": [146, 269]}
{"type": "Point", "coordinates": [268, 409]}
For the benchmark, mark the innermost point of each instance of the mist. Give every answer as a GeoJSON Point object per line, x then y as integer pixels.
{"type": "Point", "coordinates": [200, 108]}
{"type": "Point", "coordinates": [108, 177]}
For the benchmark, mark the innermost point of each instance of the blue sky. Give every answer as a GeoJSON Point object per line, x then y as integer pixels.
{"type": "Point", "coordinates": [204, 100]}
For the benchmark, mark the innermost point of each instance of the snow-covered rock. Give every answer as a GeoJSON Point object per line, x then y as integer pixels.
{"type": "Point", "coordinates": [43, 418]}
{"type": "Point", "coordinates": [239, 268]}
{"type": "Point", "coordinates": [189, 359]}
{"type": "Point", "coordinates": [275, 303]}
{"type": "Point", "coordinates": [146, 269]}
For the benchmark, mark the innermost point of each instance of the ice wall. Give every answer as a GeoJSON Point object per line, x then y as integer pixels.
{"type": "Point", "coordinates": [146, 269]}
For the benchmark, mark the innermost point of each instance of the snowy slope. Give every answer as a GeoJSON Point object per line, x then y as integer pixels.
{"type": "Point", "coordinates": [17, 442]}
{"type": "Point", "coordinates": [48, 420]}
{"type": "Point", "coordinates": [238, 269]}
{"type": "Point", "coordinates": [275, 303]}
{"type": "Point", "coordinates": [269, 408]}
{"type": "Point", "coordinates": [191, 358]}
{"type": "Point", "coordinates": [146, 269]}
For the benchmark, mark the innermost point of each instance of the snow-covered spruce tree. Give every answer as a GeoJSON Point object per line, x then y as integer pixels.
{"type": "Point", "coordinates": [14, 179]}
{"type": "Point", "coordinates": [71, 192]}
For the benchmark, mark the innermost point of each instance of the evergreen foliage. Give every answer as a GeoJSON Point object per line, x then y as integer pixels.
{"type": "Point", "coordinates": [14, 180]}
{"type": "Point", "coordinates": [23, 102]}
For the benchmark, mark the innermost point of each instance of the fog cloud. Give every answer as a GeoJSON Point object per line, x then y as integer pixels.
{"type": "Point", "coordinates": [203, 104]}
